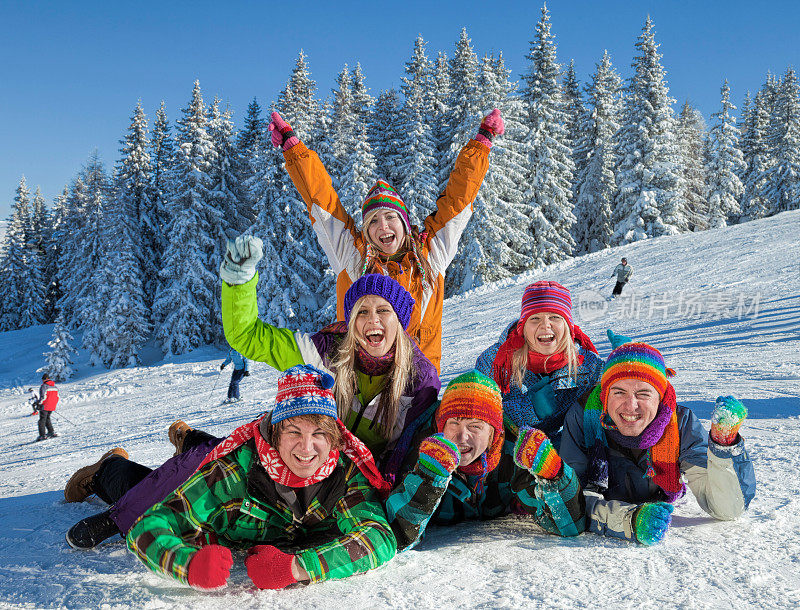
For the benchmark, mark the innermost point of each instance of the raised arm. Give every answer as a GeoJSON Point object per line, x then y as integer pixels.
{"type": "Point", "coordinates": [333, 226]}
{"type": "Point", "coordinates": [454, 206]}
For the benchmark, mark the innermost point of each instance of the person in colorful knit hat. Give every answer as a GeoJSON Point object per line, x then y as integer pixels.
{"type": "Point", "coordinates": [461, 466]}
{"type": "Point", "coordinates": [291, 475]}
{"type": "Point", "coordinates": [543, 362]}
{"type": "Point", "coordinates": [387, 242]}
{"type": "Point", "coordinates": [382, 381]}
{"type": "Point", "coordinates": [635, 449]}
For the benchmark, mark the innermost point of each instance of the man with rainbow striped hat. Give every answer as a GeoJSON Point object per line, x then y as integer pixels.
{"type": "Point", "coordinates": [635, 449]}
{"type": "Point", "coordinates": [461, 466]}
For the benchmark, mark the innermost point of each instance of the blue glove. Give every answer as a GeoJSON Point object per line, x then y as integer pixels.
{"type": "Point", "coordinates": [651, 522]}
{"type": "Point", "coordinates": [543, 398]}
{"type": "Point", "coordinates": [241, 258]}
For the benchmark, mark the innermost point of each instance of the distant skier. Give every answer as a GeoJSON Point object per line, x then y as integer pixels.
{"type": "Point", "coordinates": [48, 399]}
{"type": "Point", "coordinates": [241, 368]}
{"type": "Point", "coordinates": [623, 271]}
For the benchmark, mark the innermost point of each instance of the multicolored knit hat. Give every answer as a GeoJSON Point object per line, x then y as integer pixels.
{"type": "Point", "coordinates": [383, 196]}
{"type": "Point", "coordinates": [546, 296]}
{"type": "Point", "coordinates": [475, 395]}
{"type": "Point", "coordinates": [382, 286]}
{"type": "Point", "coordinates": [635, 361]}
{"type": "Point", "coordinates": [304, 390]}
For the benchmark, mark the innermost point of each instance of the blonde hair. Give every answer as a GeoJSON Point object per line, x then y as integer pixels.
{"type": "Point", "coordinates": [398, 378]}
{"type": "Point", "coordinates": [411, 243]}
{"type": "Point", "coordinates": [519, 361]}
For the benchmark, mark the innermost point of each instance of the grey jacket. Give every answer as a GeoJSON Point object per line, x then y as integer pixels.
{"type": "Point", "coordinates": [623, 272]}
{"type": "Point", "coordinates": [721, 478]}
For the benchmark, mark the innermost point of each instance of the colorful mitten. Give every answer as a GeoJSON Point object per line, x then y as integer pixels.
{"type": "Point", "coordinates": [544, 398]}
{"type": "Point", "coordinates": [269, 568]}
{"type": "Point", "coordinates": [651, 522]}
{"type": "Point", "coordinates": [491, 126]}
{"type": "Point", "coordinates": [534, 452]}
{"type": "Point", "coordinates": [438, 455]}
{"type": "Point", "coordinates": [728, 415]}
{"type": "Point", "coordinates": [210, 567]}
{"type": "Point", "coordinates": [282, 134]}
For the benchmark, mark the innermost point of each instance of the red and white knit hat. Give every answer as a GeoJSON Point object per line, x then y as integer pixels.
{"type": "Point", "coordinates": [546, 296]}
{"type": "Point", "coordinates": [304, 390]}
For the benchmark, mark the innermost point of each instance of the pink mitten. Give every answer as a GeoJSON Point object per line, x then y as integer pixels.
{"type": "Point", "coordinates": [281, 132]}
{"type": "Point", "coordinates": [491, 126]}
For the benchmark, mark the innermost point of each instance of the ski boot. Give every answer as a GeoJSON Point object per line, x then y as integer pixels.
{"type": "Point", "coordinates": [41, 437]}
{"type": "Point", "coordinates": [88, 533]}
{"type": "Point", "coordinates": [79, 486]}
{"type": "Point", "coordinates": [177, 434]}
{"type": "Point", "coordinates": [52, 435]}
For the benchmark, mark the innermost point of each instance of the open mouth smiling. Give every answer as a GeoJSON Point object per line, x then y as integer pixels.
{"type": "Point", "coordinates": [374, 337]}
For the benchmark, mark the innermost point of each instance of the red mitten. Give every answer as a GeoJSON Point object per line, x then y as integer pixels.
{"type": "Point", "coordinates": [281, 132]}
{"type": "Point", "coordinates": [269, 568]}
{"type": "Point", "coordinates": [491, 126]}
{"type": "Point", "coordinates": [210, 567]}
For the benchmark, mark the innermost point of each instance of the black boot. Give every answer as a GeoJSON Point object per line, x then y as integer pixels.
{"type": "Point", "coordinates": [88, 533]}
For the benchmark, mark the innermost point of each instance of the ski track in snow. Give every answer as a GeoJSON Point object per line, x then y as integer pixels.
{"type": "Point", "coordinates": [504, 563]}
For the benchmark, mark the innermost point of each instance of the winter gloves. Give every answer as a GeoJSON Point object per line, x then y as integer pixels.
{"type": "Point", "coordinates": [439, 456]}
{"type": "Point", "coordinates": [728, 415]}
{"type": "Point", "coordinates": [210, 567]}
{"type": "Point", "coordinates": [269, 568]}
{"type": "Point", "coordinates": [651, 522]}
{"type": "Point", "coordinates": [544, 397]}
{"type": "Point", "coordinates": [534, 452]}
{"type": "Point", "coordinates": [282, 134]}
{"type": "Point", "coordinates": [241, 258]}
{"type": "Point", "coordinates": [491, 126]}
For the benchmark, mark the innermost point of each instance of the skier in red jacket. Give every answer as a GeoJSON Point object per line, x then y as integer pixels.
{"type": "Point", "coordinates": [48, 399]}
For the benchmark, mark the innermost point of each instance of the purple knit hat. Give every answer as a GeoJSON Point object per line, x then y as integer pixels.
{"type": "Point", "coordinates": [382, 286]}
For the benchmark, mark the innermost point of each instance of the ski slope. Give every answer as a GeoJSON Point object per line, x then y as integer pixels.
{"type": "Point", "coordinates": [724, 308]}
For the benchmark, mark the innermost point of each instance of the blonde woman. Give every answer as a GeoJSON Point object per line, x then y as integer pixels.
{"type": "Point", "coordinates": [381, 376]}
{"type": "Point", "coordinates": [542, 362]}
{"type": "Point", "coordinates": [387, 242]}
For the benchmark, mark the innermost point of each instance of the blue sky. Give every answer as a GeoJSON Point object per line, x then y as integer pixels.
{"type": "Point", "coordinates": [73, 71]}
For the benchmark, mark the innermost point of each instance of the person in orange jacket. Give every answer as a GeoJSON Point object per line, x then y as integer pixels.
{"type": "Point", "coordinates": [388, 243]}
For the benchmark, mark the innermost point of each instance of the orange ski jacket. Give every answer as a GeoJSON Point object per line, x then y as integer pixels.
{"type": "Point", "coordinates": [345, 246]}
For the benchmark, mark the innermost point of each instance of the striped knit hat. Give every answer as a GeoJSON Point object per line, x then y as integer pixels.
{"type": "Point", "coordinates": [635, 361]}
{"type": "Point", "coordinates": [304, 390]}
{"type": "Point", "coordinates": [546, 296]}
{"type": "Point", "coordinates": [383, 196]}
{"type": "Point", "coordinates": [474, 395]}
{"type": "Point", "coordinates": [383, 286]}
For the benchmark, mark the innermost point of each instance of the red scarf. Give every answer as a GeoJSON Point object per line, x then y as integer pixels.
{"type": "Point", "coordinates": [502, 368]}
{"type": "Point", "coordinates": [280, 473]}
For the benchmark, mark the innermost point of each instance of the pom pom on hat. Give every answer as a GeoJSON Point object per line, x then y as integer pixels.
{"type": "Point", "coordinates": [304, 390]}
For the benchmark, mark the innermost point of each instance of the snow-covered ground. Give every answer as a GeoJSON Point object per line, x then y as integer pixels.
{"type": "Point", "coordinates": [723, 306]}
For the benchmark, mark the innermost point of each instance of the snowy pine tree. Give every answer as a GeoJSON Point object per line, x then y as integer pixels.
{"type": "Point", "coordinates": [42, 237]}
{"type": "Point", "coordinates": [227, 193]}
{"type": "Point", "coordinates": [648, 201]}
{"type": "Point", "coordinates": [135, 204]}
{"type": "Point", "coordinates": [757, 157]}
{"type": "Point", "coordinates": [491, 247]}
{"type": "Point", "coordinates": [692, 143]}
{"type": "Point", "coordinates": [595, 182]}
{"type": "Point", "coordinates": [463, 111]}
{"type": "Point", "coordinates": [23, 290]}
{"type": "Point", "coordinates": [783, 177]}
{"type": "Point", "coordinates": [573, 103]}
{"type": "Point", "coordinates": [548, 183]}
{"type": "Point", "coordinates": [187, 305]}
{"type": "Point", "coordinates": [251, 147]}
{"type": "Point", "coordinates": [416, 145]}
{"type": "Point", "coordinates": [60, 357]}
{"type": "Point", "coordinates": [725, 164]}
{"type": "Point", "coordinates": [385, 133]}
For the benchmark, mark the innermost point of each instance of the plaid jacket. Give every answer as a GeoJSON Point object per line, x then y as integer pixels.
{"type": "Point", "coordinates": [557, 505]}
{"type": "Point", "coordinates": [231, 501]}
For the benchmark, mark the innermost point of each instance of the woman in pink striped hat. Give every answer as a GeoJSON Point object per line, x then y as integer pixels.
{"type": "Point", "coordinates": [543, 363]}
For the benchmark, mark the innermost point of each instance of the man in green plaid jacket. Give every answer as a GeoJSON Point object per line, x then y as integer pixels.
{"type": "Point", "coordinates": [296, 476]}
